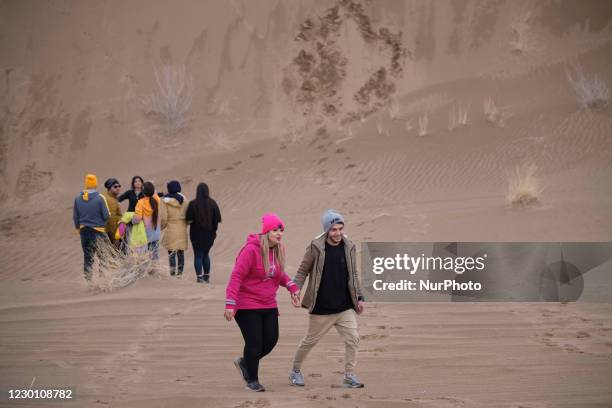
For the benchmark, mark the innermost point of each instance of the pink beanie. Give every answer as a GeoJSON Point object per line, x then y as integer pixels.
{"type": "Point", "coordinates": [271, 221]}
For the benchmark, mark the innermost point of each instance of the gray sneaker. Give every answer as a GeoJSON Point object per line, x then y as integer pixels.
{"type": "Point", "coordinates": [255, 386]}
{"type": "Point", "coordinates": [296, 378]}
{"type": "Point", "coordinates": [351, 381]}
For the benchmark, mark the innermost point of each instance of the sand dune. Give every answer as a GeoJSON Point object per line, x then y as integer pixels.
{"type": "Point", "coordinates": [299, 107]}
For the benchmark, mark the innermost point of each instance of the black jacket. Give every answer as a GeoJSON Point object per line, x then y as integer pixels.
{"type": "Point", "coordinates": [132, 197]}
{"type": "Point", "coordinates": [202, 235]}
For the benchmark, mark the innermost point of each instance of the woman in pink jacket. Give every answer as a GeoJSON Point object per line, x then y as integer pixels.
{"type": "Point", "coordinates": [251, 296]}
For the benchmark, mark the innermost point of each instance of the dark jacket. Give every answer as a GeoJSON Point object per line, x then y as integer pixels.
{"type": "Point", "coordinates": [312, 267]}
{"type": "Point", "coordinates": [202, 235]}
{"type": "Point", "coordinates": [90, 210]}
{"type": "Point", "coordinates": [132, 198]}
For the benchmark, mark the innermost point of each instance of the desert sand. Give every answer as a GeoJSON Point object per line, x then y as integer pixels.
{"type": "Point", "coordinates": [409, 117]}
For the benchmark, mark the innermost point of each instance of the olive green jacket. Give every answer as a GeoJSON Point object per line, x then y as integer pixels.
{"type": "Point", "coordinates": [312, 267]}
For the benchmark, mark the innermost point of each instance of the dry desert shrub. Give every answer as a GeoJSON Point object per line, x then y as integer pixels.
{"type": "Point", "coordinates": [394, 110]}
{"type": "Point", "coordinates": [494, 114]}
{"type": "Point", "coordinates": [457, 117]}
{"type": "Point", "coordinates": [523, 187]}
{"type": "Point", "coordinates": [423, 125]}
{"type": "Point", "coordinates": [590, 92]}
{"type": "Point", "coordinates": [522, 40]}
{"type": "Point", "coordinates": [171, 101]}
{"type": "Point", "coordinates": [490, 110]}
{"type": "Point", "coordinates": [114, 269]}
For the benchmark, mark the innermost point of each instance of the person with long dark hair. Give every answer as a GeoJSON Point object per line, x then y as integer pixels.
{"type": "Point", "coordinates": [134, 194]}
{"type": "Point", "coordinates": [148, 211]}
{"type": "Point", "coordinates": [250, 296]}
{"type": "Point", "coordinates": [203, 216]}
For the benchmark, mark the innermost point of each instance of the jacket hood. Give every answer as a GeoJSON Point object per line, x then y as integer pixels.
{"type": "Point", "coordinates": [253, 239]}
{"type": "Point", "coordinates": [172, 202]}
{"type": "Point", "coordinates": [87, 195]}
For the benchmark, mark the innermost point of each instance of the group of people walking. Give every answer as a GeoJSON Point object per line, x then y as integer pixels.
{"type": "Point", "coordinates": [99, 217]}
{"type": "Point", "coordinates": [333, 296]}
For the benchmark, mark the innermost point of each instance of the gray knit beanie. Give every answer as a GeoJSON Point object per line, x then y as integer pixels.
{"type": "Point", "coordinates": [330, 218]}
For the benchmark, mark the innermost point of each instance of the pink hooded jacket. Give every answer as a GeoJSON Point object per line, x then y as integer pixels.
{"type": "Point", "coordinates": [250, 287]}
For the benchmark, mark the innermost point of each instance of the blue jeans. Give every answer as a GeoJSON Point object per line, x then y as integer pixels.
{"type": "Point", "coordinates": [201, 260]}
{"type": "Point", "coordinates": [89, 242]}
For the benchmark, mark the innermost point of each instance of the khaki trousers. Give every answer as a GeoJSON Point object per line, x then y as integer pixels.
{"type": "Point", "coordinates": [318, 325]}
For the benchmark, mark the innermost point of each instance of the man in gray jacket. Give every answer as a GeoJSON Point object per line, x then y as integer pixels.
{"type": "Point", "coordinates": [333, 296]}
{"type": "Point", "coordinates": [89, 215]}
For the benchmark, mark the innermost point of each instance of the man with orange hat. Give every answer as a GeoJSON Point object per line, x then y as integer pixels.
{"type": "Point", "coordinates": [89, 214]}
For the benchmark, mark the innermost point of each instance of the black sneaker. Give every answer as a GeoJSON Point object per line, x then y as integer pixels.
{"type": "Point", "coordinates": [200, 279]}
{"type": "Point", "coordinates": [239, 363]}
{"type": "Point", "coordinates": [255, 386]}
{"type": "Point", "coordinates": [206, 278]}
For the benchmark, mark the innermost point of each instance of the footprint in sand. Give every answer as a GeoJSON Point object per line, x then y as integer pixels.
{"type": "Point", "coordinates": [367, 337]}
{"type": "Point", "coordinates": [322, 160]}
{"type": "Point", "coordinates": [256, 156]}
{"type": "Point", "coordinates": [340, 150]}
{"type": "Point", "coordinates": [583, 335]}
{"type": "Point", "coordinates": [260, 403]}
{"type": "Point", "coordinates": [572, 349]}
{"type": "Point", "coordinates": [211, 170]}
{"type": "Point", "coordinates": [315, 375]}
{"type": "Point", "coordinates": [350, 166]}
{"type": "Point", "coordinates": [228, 168]}
{"type": "Point", "coordinates": [237, 163]}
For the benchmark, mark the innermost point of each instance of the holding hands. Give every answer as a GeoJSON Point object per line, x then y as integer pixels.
{"type": "Point", "coordinates": [295, 299]}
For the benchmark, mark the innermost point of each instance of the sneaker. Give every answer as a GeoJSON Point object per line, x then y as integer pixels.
{"type": "Point", "coordinates": [351, 381]}
{"type": "Point", "coordinates": [296, 378]}
{"type": "Point", "coordinates": [255, 386]}
{"type": "Point", "coordinates": [241, 369]}
{"type": "Point", "coordinates": [200, 279]}
{"type": "Point", "coordinates": [206, 278]}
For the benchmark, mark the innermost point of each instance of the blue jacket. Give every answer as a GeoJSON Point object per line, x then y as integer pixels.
{"type": "Point", "coordinates": [90, 210]}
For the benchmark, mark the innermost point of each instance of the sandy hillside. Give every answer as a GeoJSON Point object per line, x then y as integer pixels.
{"type": "Point", "coordinates": [409, 117]}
